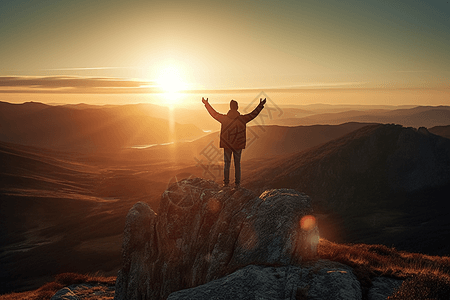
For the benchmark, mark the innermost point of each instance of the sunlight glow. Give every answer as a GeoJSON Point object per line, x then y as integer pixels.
{"type": "Point", "coordinates": [171, 84]}
{"type": "Point", "coordinates": [170, 81]}
{"type": "Point", "coordinates": [171, 98]}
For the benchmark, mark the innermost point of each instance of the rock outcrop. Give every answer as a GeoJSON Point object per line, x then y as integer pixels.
{"type": "Point", "coordinates": [321, 280]}
{"type": "Point", "coordinates": [202, 233]}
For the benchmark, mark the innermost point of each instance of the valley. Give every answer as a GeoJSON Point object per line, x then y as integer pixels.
{"type": "Point", "coordinates": [64, 210]}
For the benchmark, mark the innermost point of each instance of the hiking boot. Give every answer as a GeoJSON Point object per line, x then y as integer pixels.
{"type": "Point", "coordinates": [225, 185]}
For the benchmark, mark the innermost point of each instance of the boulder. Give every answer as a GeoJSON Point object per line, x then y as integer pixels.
{"type": "Point", "coordinates": [65, 293]}
{"type": "Point", "coordinates": [85, 291]}
{"type": "Point", "coordinates": [203, 232]}
{"type": "Point", "coordinates": [321, 280]}
{"type": "Point", "coordinates": [383, 287]}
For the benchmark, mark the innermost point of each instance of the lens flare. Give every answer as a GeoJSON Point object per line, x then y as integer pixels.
{"type": "Point", "coordinates": [308, 223]}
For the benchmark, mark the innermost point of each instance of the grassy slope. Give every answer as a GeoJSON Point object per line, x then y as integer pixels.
{"type": "Point", "coordinates": [425, 277]}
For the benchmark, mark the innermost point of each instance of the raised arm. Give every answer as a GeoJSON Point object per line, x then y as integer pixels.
{"type": "Point", "coordinates": [211, 110]}
{"type": "Point", "coordinates": [248, 117]}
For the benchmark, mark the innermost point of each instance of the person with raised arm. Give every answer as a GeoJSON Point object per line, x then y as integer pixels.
{"type": "Point", "coordinates": [233, 136]}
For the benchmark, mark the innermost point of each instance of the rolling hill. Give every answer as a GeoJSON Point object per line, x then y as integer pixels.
{"type": "Point", "coordinates": [62, 211]}
{"type": "Point", "coordinates": [89, 129]}
{"type": "Point", "coordinates": [263, 141]}
{"type": "Point", "coordinates": [379, 184]}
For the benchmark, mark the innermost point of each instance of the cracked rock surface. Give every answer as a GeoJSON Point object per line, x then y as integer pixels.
{"type": "Point", "coordinates": [203, 232]}
{"type": "Point", "coordinates": [321, 280]}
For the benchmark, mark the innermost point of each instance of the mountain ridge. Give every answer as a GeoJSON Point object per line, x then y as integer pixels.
{"type": "Point", "coordinates": [421, 116]}
{"type": "Point", "coordinates": [383, 173]}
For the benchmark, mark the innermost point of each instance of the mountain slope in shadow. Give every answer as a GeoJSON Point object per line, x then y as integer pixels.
{"type": "Point", "coordinates": [443, 131]}
{"type": "Point", "coordinates": [280, 140]}
{"type": "Point", "coordinates": [53, 217]}
{"type": "Point", "coordinates": [380, 184]}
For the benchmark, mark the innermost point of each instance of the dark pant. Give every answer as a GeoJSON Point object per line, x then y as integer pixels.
{"type": "Point", "coordinates": [227, 163]}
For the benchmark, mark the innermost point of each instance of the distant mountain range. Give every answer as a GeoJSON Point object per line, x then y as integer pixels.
{"type": "Point", "coordinates": [88, 129]}
{"type": "Point", "coordinates": [421, 116]}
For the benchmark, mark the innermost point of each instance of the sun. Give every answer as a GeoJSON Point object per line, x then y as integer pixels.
{"type": "Point", "coordinates": [171, 84]}
{"type": "Point", "coordinates": [169, 80]}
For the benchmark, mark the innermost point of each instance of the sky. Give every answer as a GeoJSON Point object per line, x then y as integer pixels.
{"type": "Point", "coordinates": [298, 52]}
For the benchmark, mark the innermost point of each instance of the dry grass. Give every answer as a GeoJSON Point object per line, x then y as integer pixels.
{"type": "Point", "coordinates": [426, 277]}
{"type": "Point", "coordinates": [46, 291]}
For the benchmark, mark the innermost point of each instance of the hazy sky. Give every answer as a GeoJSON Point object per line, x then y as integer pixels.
{"type": "Point", "coordinates": [292, 47]}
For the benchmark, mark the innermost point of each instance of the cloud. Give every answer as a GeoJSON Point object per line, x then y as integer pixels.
{"type": "Point", "coordinates": [87, 69]}
{"type": "Point", "coordinates": [72, 84]}
{"type": "Point", "coordinates": [107, 85]}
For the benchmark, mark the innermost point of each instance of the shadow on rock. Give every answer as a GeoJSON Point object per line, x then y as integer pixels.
{"type": "Point", "coordinates": [202, 233]}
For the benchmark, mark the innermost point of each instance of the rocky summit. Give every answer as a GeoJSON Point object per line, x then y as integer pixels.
{"type": "Point", "coordinates": [203, 233]}
{"type": "Point", "coordinates": [320, 280]}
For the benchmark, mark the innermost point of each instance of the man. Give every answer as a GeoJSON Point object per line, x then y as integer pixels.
{"type": "Point", "coordinates": [233, 136]}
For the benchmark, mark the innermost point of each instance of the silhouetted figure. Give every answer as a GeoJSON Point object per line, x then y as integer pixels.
{"type": "Point", "coordinates": [233, 136]}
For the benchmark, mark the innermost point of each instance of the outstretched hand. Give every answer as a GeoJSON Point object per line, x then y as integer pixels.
{"type": "Point", "coordinates": [261, 101]}
{"type": "Point", "coordinates": [205, 101]}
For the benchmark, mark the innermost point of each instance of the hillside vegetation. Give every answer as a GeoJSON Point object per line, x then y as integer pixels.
{"type": "Point", "coordinates": [425, 277]}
